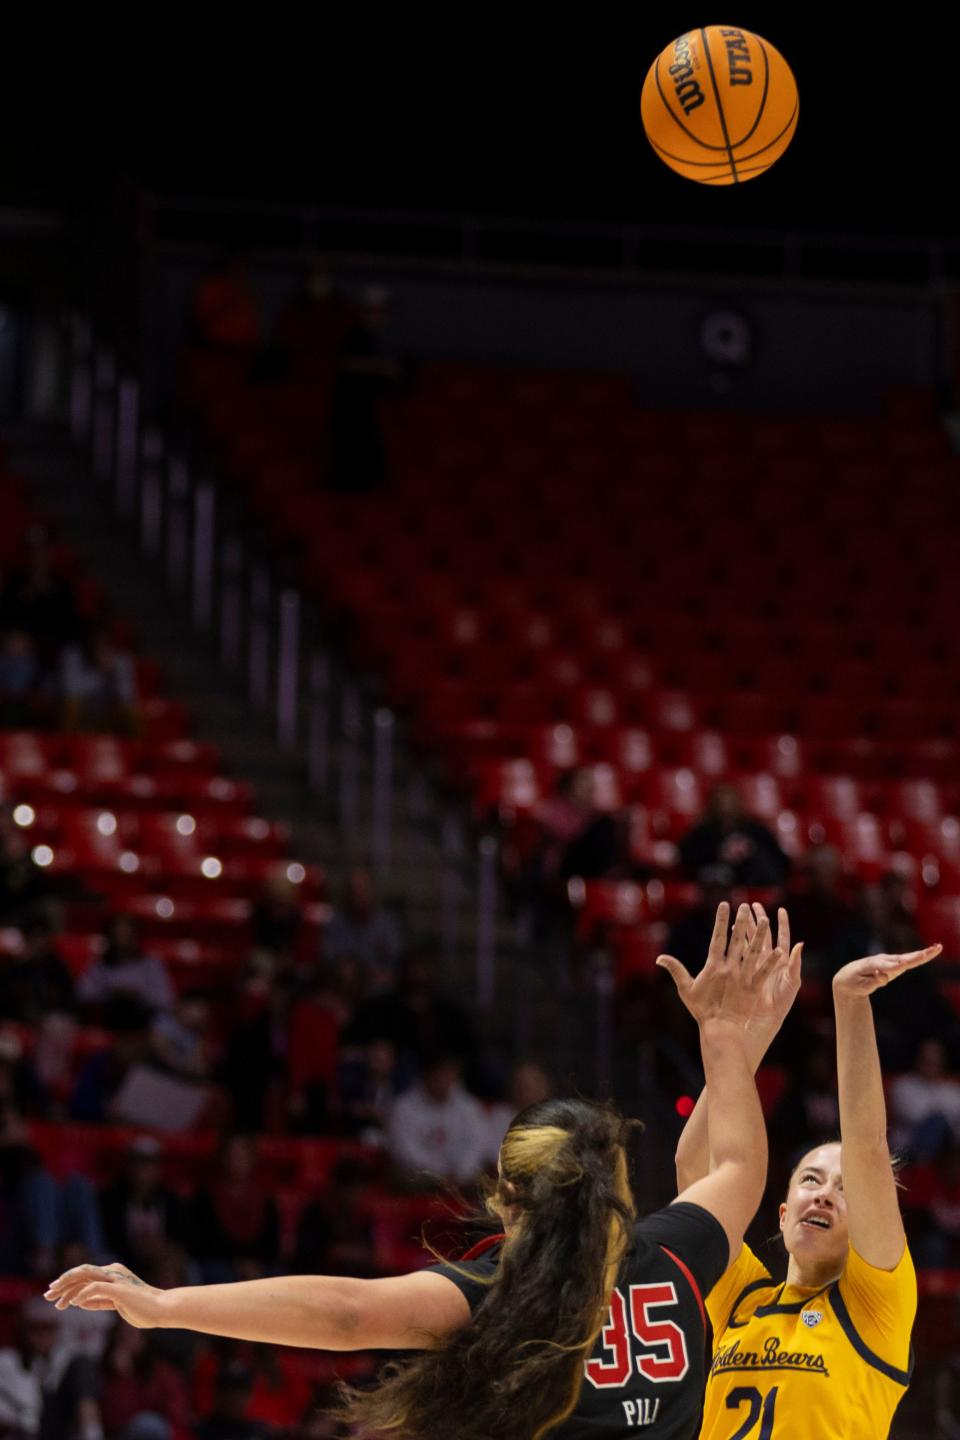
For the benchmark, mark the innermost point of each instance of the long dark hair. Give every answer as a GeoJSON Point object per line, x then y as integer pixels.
{"type": "Point", "coordinates": [516, 1370]}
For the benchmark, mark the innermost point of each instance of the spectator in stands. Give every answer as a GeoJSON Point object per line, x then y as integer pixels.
{"type": "Point", "coordinates": [437, 1131]}
{"type": "Point", "coordinates": [98, 685]}
{"type": "Point", "coordinates": [336, 1231]}
{"type": "Point", "coordinates": [19, 1086]}
{"type": "Point", "coordinates": [362, 927]}
{"type": "Point", "coordinates": [881, 923]}
{"type": "Point", "coordinates": [365, 373]}
{"type": "Point", "coordinates": [808, 1113]}
{"type": "Point", "coordinates": [529, 1084]}
{"type": "Point", "coordinates": [142, 1215]}
{"type": "Point", "coordinates": [124, 968]}
{"type": "Point", "coordinates": [46, 1391]}
{"type": "Point", "coordinates": [23, 885]}
{"type": "Point", "coordinates": [728, 836]}
{"type": "Point", "coordinates": [229, 1419]}
{"type": "Point", "coordinates": [104, 1072]}
{"type": "Point", "coordinates": [416, 1018]}
{"type": "Point", "coordinates": [312, 327]}
{"type": "Point", "coordinates": [39, 602]}
{"type": "Point", "coordinates": [29, 1203]}
{"type": "Point", "coordinates": [939, 1247]}
{"type": "Point", "coordinates": [253, 1069]}
{"type": "Point", "coordinates": [225, 312]}
{"type": "Point", "coordinates": [36, 982]}
{"type": "Point", "coordinates": [235, 1223]}
{"type": "Point", "coordinates": [19, 677]}
{"type": "Point", "coordinates": [180, 1037]}
{"type": "Point", "coordinates": [317, 1018]}
{"type": "Point", "coordinates": [690, 933]}
{"type": "Point", "coordinates": [368, 1084]}
{"type": "Point", "coordinates": [925, 1104]}
{"type": "Point", "coordinates": [137, 1378]}
{"type": "Point", "coordinates": [277, 917]}
{"type": "Point", "coordinates": [819, 910]}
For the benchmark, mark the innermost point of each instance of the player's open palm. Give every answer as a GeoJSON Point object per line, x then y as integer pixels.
{"type": "Point", "coordinates": [735, 971]}
{"type": "Point", "coordinates": [862, 977]}
{"type": "Point", "coordinates": [108, 1287]}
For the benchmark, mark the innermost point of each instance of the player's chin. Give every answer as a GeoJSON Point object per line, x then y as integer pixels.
{"type": "Point", "coordinates": [809, 1239]}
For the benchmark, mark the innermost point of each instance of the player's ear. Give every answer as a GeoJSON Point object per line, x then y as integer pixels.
{"type": "Point", "coordinates": [783, 1215]}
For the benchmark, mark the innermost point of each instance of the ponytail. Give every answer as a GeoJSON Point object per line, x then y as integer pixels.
{"type": "Point", "coordinates": [517, 1368]}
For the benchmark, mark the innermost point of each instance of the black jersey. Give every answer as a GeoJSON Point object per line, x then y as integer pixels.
{"type": "Point", "coordinates": [648, 1368]}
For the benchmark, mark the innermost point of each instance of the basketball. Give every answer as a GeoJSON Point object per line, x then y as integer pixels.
{"type": "Point", "coordinates": [719, 105]}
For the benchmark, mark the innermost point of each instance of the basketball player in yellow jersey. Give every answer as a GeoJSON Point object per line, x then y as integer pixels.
{"type": "Point", "coordinates": [826, 1354]}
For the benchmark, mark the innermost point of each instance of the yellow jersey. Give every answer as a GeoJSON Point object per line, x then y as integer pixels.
{"type": "Point", "coordinates": [795, 1362]}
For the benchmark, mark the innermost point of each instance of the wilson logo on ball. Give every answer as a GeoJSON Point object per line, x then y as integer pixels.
{"type": "Point", "coordinates": [689, 94]}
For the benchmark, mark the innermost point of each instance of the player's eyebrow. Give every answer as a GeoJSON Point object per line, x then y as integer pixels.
{"type": "Point", "coordinates": [811, 1170]}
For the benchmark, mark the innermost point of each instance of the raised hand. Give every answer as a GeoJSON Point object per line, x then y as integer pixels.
{"type": "Point", "coordinates": [108, 1287]}
{"type": "Point", "coordinates": [781, 985]}
{"type": "Point", "coordinates": [729, 985]}
{"type": "Point", "coordinates": [862, 977]}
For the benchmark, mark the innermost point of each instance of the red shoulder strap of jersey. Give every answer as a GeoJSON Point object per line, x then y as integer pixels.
{"type": "Point", "coordinates": [482, 1246]}
{"type": "Point", "coordinates": [685, 1271]}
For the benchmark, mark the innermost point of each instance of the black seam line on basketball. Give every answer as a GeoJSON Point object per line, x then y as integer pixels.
{"type": "Point", "coordinates": [763, 97]}
{"type": "Point", "coordinates": [716, 96]}
{"type": "Point", "coordinates": [675, 118]}
{"type": "Point", "coordinates": [709, 164]}
{"type": "Point", "coordinates": [743, 170]}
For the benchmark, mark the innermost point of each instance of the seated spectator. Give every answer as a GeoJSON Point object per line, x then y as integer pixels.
{"type": "Point", "coordinates": [360, 926]}
{"type": "Point", "coordinates": [317, 1018]}
{"type": "Point", "coordinates": [312, 327]}
{"type": "Point", "coordinates": [819, 909]}
{"type": "Point", "coordinates": [690, 934]}
{"type": "Point", "coordinates": [336, 1233]}
{"type": "Point", "coordinates": [142, 1215]}
{"type": "Point", "coordinates": [365, 373]}
{"type": "Point", "coordinates": [925, 1104]}
{"type": "Point", "coordinates": [23, 885]}
{"type": "Point", "coordinates": [19, 677]}
{"type": "Point", "coordinates": [36, 982]}
{"type": "Point", "coordinates": [29, 1203]}
{"type": "Point", "coordinates": [19, 1086]}
{"type": "Point", "coordinates": [229, 1418]}
{"type": "Point", "coordinates": [136, 1379]}
{"type": "Point", "coordinates": [277, 917]}
{"type": "Point", "coordinates": [181, 1039]}
{"type": "Point", "coordinates": [882, 924]}
{"type": "Point", "coordinates": [235, 1221]}
{"type": "Point", "coordinates": [808, 1112]}
{"type": "Point", "coordinates": [124, 968]}
{"type": "Point", "coordinates": [40, 603]}
{"type": "Point", "coordinates": [225, 313]}
{"type": "Point", "coordinates": [437, 1132]}
{"type": "Point", "coordinates": [529, 1084]}
{"type": "Point", "coordinates": [104, 1072]}
{"type": "Point", "coordinates": [417, 1018]}
{"type": "Point", "coordinates": [46, 1391]}
{"type": "Point", "coordinates": [727, 836]}
{"type": "Point", "coordinates": [98, 685]}
{"type": "Point", "coordinates": [368, 1085]}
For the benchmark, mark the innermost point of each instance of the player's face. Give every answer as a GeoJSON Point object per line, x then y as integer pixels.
{"type": "Point", "coordinates": [814, 1217]}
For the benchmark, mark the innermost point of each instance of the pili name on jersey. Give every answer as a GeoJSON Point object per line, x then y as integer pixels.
{"type": "Point", "coordinates": [640, 1412]}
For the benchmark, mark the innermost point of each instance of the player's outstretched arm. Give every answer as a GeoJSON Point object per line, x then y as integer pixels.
{"type": "Point", "coordinates": [873, 1210]}
{"type": "Point", "coordinates": [721, 999]}
{"type": "Point", "coordinates": [406, 1312]}
{"type": "Point", "coordinates": [774, 1000]}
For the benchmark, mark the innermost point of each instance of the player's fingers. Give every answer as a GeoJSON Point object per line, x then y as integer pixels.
{"type": "Point", "coordinates": [767, 962]}
{"type": "Point", "coordinates": [783, 930]}
{"type": "Point", "coordinates": [795, 962]}
{"type": "Point", "coordinates": [718, 940]}
{"type": "Point", "coordinates": [914, 958]}
{"type": "Point", "coordinates": [101, 1296]}
{"type": "Point", "coordinates": [80, 1274]}
{"type": "Point", "coordinates": [739, 937]}
{"type": "Point", "coordinates": [758, 947]}
{"type": "Point", "coordinates": [678, 973]}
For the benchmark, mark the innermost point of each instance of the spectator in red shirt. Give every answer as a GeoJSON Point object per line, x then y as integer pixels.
{"type": "Point", "coordinates": [137, 1378]}
{"type": "Point", "coordinates": [226, 315]}
{"type": "Point", "coordinates": [236, 1225]}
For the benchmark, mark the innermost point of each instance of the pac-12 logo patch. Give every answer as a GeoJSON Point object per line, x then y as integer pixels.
{"type": "Point", "coordinates": [811, 1317]}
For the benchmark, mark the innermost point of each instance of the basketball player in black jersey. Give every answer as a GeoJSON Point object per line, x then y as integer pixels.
{"type": "Point", "coordinates": [580, 1320]}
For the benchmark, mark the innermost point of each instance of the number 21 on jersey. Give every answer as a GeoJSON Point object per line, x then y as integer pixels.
{"type": "Point", "coordinates": [760, 1411]}
{"type": "Point", "coordinates": [663, 1356]}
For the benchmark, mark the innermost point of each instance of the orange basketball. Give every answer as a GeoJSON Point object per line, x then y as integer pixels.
{"type": "Point", "coordinates": [719, 105]}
